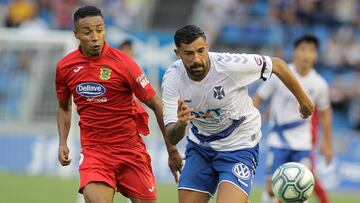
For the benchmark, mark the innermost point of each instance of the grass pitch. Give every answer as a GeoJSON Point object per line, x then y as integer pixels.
{"type": "Point", "coordinates": [17, 188]}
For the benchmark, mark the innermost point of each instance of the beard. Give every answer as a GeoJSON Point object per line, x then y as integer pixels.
{"type": "Point", "coordinates": [197, 69]}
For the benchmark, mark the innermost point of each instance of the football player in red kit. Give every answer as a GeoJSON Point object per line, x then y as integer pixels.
{"type": "Point", "coordinates": [102, 81]}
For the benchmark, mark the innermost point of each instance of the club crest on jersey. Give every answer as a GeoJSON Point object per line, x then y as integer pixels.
{"type": "Point", "coordinates": [105, 73]}
{"type": "Point", "coordinates": [219, 92]}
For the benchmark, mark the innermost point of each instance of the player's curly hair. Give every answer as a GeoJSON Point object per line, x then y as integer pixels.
{"type": "Point", "coordinates": [188, 34]}
{"type": "Point", "coordinates": [86, 11]}
{"type": "Point", "coordinates": [308, 39]}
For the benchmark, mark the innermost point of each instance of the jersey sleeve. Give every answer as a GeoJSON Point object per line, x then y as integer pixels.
{"type": "Point", "coordinates": [322, 101]}
{"type": "Point", "coordinates": [246, 68]}
{"type": "Point", "coordinates": [170, 96]}
{"type": "Point", "coordinates": [62, 90]}
{"type": "Point", "coordinates": [266, 89]}
{"type": "Point", "coordinates": [138, 82]}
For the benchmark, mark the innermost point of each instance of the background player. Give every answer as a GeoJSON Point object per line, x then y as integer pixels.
{"type": "Point", "coordinates": [127, 47]}
{"type": "Point", "coordinates": [208, 91]}
{"type": "Point", "coordinates": [290, 138]}
{"type": "Point", "coordinates": [102, 81]}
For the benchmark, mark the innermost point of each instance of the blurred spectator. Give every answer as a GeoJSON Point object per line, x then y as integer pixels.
{"type": "Point", "coordinates": [18, 12]}
{"type": "Point", "coordinates": [34, 25]}
{"type": "Point", "coordinates": [127, 47]}
{"type": "Point", "coordinates": [342, 50]}
{"type": "Point", "coordinates": [346, 11]}
{"type": "Point", "coordinates": [63, 13]}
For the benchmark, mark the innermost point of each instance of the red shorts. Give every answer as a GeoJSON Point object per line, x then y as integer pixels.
{"type": "Point", "coordinates": [126, 167]}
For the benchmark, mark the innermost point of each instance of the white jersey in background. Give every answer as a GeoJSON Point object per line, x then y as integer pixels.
{"type": "Point", "coordinates": [288, 129]}
{"type": "Point", "coordinates": [225, 116]}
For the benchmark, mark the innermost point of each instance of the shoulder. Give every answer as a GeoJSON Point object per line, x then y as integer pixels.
{"type": "Point", "coordinates": [319, 80]}
{"type": "Point", "coordinates": [175, 70]}
{"type": "Point", "coordinates": [68, 59]}
{"type": "Point", "coordinates": [234, 62]}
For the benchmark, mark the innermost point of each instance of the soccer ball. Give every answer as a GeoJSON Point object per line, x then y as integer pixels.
{"type": "Point", "coordinates": [292, 182]}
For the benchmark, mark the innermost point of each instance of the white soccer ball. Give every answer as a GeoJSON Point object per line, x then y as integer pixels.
{"type": "Point", "coordinates": [293, 182]}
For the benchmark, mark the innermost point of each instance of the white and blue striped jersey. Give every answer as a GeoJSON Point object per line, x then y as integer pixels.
{"type": "Point", "coordinates": [226, 119]}
{"type": "Point", "coordinates": [288, 130]}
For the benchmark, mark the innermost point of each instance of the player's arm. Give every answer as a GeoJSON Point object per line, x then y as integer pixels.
{"type": "Point", "coordinates": [175, 159]}
{"type": "Point", "coordinates": [176, 131]}
{"type": "Point", "coordinates": [63, 122]}
{"type": "Point", "coordinates": [281, 70]}
{"type": "Point", "coordinates": [257, 100]}
{"type": "Point", "coordinates": [326, 143]}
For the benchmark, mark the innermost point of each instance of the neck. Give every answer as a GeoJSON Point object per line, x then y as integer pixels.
{"type": "Point", "coordinates": [302, 70]}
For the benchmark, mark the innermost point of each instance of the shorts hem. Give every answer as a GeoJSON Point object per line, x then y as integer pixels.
{"type": "Point", "coordinates": [197, 190]}
{"type": "Point", "coordinates": [229, 181]}
{"type": "Point", "coordinates": [137, 196]}
{"type": "Point", "coordinates": [81, 187]}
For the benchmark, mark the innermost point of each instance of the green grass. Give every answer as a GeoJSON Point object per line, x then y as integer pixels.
{"type": "Point", "coordinates": [16, 188]}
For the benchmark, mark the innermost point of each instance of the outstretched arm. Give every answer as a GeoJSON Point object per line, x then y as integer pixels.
{"type": "Point", "coordinates": [175, 159]}
{"type": "Point", "coordinates": [281, 70]}
{"type": "Point", "coordinates": [63, 122]}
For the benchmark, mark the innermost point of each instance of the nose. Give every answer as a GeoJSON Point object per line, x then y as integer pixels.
{"type": "Point", "coordinates": [196, 58]}
{"type": "Point", "coordinates": [95, 36]}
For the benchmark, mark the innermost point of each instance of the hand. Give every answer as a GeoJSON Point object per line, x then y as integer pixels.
{"type": "Point", "coordinates": [306, 108]}
{"type": "Point", "coordinates": [184, 112]}
{"type": "Point", "coordinates": [175, 163]}
{"type": "Point", "coordinates": [63, 155]}
{"type": "Point", "coordinates": [327, 151]}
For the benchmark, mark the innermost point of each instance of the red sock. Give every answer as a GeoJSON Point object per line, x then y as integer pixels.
{"type": "Point", "coordinates": [320, 192]}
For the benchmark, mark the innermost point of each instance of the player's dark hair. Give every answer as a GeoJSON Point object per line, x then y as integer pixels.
{"type": "Point", "coordinates": [127, 42]}
{"type": "Point", "coordinates": [308, 39]}
{"type": "Point", "coordinates": [188, 34]}
{"type": "Point", "coordinates": [86, 11]}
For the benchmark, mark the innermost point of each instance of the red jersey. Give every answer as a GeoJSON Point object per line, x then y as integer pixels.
{"type": "Point", "coordinates": [102, 88]}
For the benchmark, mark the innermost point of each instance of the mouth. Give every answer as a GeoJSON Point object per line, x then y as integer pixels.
{"type": "Point", "coordinates": [96, 47]}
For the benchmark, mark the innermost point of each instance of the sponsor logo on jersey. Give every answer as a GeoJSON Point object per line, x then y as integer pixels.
{"type": "Point", "coordinates": [105, 73]}
{"type": "Point", "coordinates": [77, 69]}
{"type": "Point", "coordinates": [90, 89]}
{"type": "Point", "coordinates": [142, 80]}
{"type": "Point", "coordinates": [219, 92]}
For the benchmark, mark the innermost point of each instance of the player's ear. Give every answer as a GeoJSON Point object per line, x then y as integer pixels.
{"type": "Point", "coordinates": [177, 52]}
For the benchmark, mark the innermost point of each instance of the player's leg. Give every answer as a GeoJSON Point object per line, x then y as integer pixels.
{"type": "Point", "coordinates": [137, 200]}
{"type": "Point", "coordinates": [98, 192]}
{"type": "Point", "coordinates": [97, 180]}
{"type": "Point", "coordinates": [198, 180]}
{"type": "Point", "coordinates": [229, 192]}
{"type": "Point", "coordinates": [134, 176]}
{"type": "Point", "coordinates": [190, 196]}
{"type": "Point", "coordinates": [236, 172]}
{"type": "Point", "coordinates": [275, 158]}
{"type": "Point", "coordinates": [318, 188]}
{"type": "Point", "coordinates": [320, 192]}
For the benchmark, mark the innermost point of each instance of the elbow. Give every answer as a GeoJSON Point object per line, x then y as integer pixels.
{"type": "Point", "coordinates": [278, 65]}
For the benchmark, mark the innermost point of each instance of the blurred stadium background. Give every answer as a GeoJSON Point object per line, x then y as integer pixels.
{"type": "Point", "coordinates": [35, 34]}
